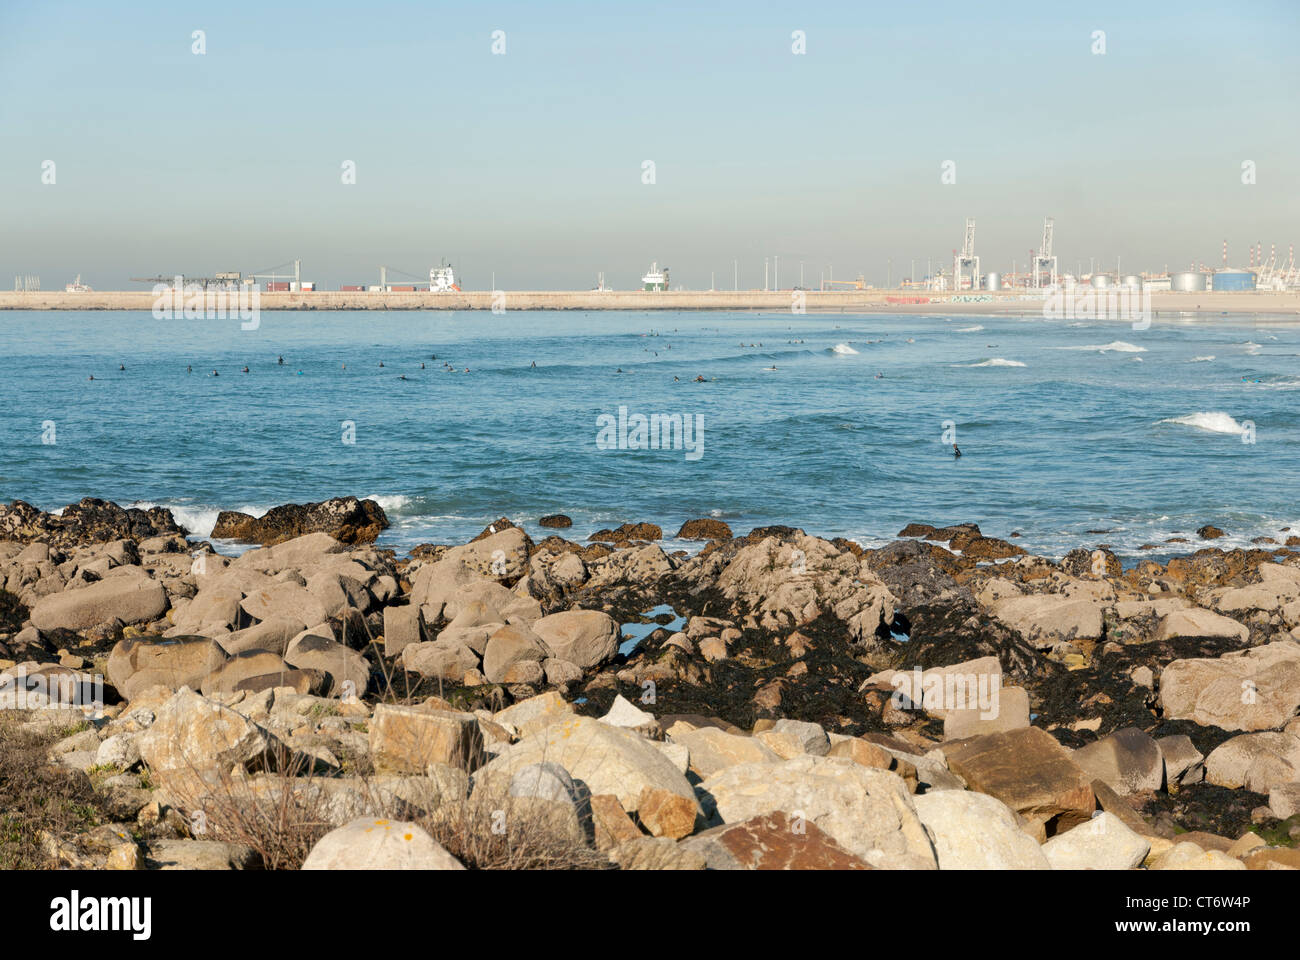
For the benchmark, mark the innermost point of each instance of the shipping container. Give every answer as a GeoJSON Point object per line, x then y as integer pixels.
{"type": "Point", "coordinates": [309, 285]}
{"type": "Point", "coordinates": [402, 289]}
{"type": "Point", "coordinates": [277, 286]}
{"type": "Point", "coordinates": [352, 288]}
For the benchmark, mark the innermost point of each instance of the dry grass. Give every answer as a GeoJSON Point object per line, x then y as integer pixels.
{"type": "Point", "coordinates": [283, 815]}
{"type": "Point", "coordinates": [38, 798]}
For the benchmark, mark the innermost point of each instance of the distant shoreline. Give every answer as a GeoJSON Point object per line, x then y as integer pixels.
{"type": "Point", "coordinates": [781, 301]}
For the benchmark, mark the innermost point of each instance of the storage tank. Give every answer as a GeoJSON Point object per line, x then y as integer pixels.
{"type": "Point", "coordinates": [992, 281]}
{"type": "Point", "coordinates": [1187, 282]}
{"type": "Point", "coordinates": [1234, 280]}
{"type": "Point", "coordinates": [1101, 281]}
{"type": "Point", "coordinates": [1132, 281]}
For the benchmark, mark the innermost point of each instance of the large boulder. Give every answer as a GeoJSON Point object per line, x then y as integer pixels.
{"type": "Point", "coordinates": [1028, 771]}
{"type": "Point", "coordinates": [370, 844]}
{"type": "Point", "coordinates": [1255, 689]}
{"type": "Point", "coordinates": [411, 739]}
{"type": "Point", "coordinates": [1129, 760]}
{"type": "Point", "coordinates": [1103, 843]}
{"type": "Point", "coordinates": [511, 644]}
{"type": "Point", "coordinates": [792, 582]}
{"type": "Point", "coordinates": [125, 597]}
{"type": "Point", "coordinates": [973, 831]}
{"type": "Point", "coordinates": [137, 663]}
{"type": "Point", "coordinates": [867, 811]}
{"type": "Point", "coordinates": [606, 759]}
{"type": "Point", "coordinates": [347, 669]}
{"type": "Point", "coordinates": [713, 750]}
{"type": "Point", "coordinates": [584, 637]}
{"type": "Point", "coordinates": [1257, 761]}
{"type": "Point", "coordinates": [194, 741]}
{"type": "Point", "coordinates": [1198, 622]}
{"type": "Point", "coordinates": [346, 519]}
{"type": "Point", "coordinates": [1046, 620]}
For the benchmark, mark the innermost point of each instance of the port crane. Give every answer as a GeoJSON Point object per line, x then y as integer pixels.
{"type": "Point", "coordinates": [966, 263]}
{"type": "Point", "coordinates": [271, 274]}
{"type": "Point", "coordinates": [1045, 261]}
{"type": "Point", "coordinates": [858, 284]}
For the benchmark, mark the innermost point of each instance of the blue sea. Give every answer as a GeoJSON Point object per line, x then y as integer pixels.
{"type": "Point", "coordinates": [840, 424]}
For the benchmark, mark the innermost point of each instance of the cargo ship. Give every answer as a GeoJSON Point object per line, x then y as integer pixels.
{"type": "Point", "coordinates": [442, 279]}
{"type": "Point", "coordinates": [656, 279]}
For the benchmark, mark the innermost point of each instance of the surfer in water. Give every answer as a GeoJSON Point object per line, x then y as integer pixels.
{"type": "Point", "coordinates": [956, 452]}
{"type": "Point", "coordinates": [281, 361]}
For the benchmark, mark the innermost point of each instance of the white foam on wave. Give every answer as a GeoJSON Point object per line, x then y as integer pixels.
{"type": "Point", "coordinates": [394, 502]}
{"type": "Point", "coordinates": [197, 519]}
{"type": "Point", "coordinates": [975, 329]}
{"type": "Point", "coordinates": [995, 362]}
{"type": "Point", "coordinates": [843, 349]}
{"type": "Point", "coordinates": [1214, 421]}
{"type": "Point", "coordinates": [1116, 346]}
{"type": "Point", "coordinates": [1201, 359]}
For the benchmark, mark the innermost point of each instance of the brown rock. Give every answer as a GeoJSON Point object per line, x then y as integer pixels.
{"type": "Point", "coordinates": [611, 822]}
{"type": "Point", "coordinates": [773, 841]}
{"type": "Point", "coordinates": [556, 521]}
{"type": "Point", "coordinates": [1028, 771]}
{"type": "Point", "coordinates": [628, 531]}
{"type": "Point", "coordinates": [704, 529]}
{"type": "Point", "coordinates": [346, 519]}
{"type": "Point", "coordinates": [665, 813]}
{"type": "Point", "coordinates": [1209, 532]}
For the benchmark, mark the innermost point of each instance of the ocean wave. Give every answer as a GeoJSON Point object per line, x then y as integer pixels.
{"type": "Point", "coordinates": [844, 349]}
{"type": "Point", "coordinates": [995, 362]}
{"type": "Point", "coordinates": [1214, 421]}
{"type": "Point", "coordinates": [1200, 359]}
{"type": "Point", "coordinates": [1116, 346]}
{"type": "Point", "coordinates": [391, 503]}
{"type": "Point", "coordinates": [975, 329]}
{"type": "Point", "coordinates": [198, 520]}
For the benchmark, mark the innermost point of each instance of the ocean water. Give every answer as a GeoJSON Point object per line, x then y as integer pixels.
{"type": "Point", "coordinates": [832, 422]}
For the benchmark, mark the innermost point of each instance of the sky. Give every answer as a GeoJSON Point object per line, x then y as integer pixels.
{"type": "Point", "coordinates": [526, 169]}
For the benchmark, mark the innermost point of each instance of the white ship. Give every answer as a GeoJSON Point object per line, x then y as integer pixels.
{"type": "Point", "coordinates": [76, 286]}
{"type": "Point", "coordinates": [656, 279]}
{"type": "Point", "coordinates": [442, 279]}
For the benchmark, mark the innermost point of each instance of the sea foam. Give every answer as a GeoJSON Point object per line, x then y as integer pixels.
{"type": "Point", "coordinates": [1214, 421]}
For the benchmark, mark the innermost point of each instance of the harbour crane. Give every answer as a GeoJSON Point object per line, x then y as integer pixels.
{"type": "Point", "coordinates": [966, 263]}
{"type": "Point", "coordinates": [1045, 260]}
{"type": "Point", "coordinates": [858, 284]}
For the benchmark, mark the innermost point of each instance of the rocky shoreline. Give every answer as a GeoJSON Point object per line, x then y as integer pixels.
{"type": "Point", "coordinates": [775, 700]}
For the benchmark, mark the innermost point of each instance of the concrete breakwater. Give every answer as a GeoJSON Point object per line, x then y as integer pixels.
{"type": "Point", "coordinates": [784, 301]}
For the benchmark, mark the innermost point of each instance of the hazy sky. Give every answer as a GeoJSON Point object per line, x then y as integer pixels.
{"type": "Point", "coordinates": [529, 164]}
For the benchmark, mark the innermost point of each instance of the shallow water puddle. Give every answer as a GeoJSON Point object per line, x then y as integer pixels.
{"type": "Point", "coordinates": [634, 633]}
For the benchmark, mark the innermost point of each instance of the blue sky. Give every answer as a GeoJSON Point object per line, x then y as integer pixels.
{"type": "Point", "coordinates": [529, 165]}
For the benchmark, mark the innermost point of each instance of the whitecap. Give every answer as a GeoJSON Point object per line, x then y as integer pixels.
{"type": "Point", "coordinates": [995, 362]}
{"type": "Point", "coordinates": [975, 329]}
{"type": "Point", "coordinates": [1117, 346]}
{"type": "Point", "coordinates": [1200, 359]}
{"type": "Point", "coordinates": [843, 349]}
{"type": "Point", "coordinates": [1214, 421]}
